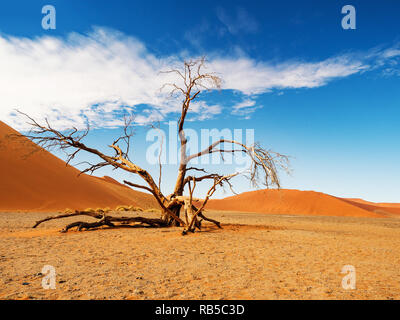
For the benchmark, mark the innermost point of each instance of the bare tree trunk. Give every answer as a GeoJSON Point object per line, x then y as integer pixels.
{"type": "Point", "coordinates": [176, 209]}
{"type": "Point", "coordinates": [178, 191]}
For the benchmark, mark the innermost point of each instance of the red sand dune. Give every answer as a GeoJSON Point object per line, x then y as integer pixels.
{"type": "Point", "coordinates": [43, 182]}
{"type": "Point", "coordinates": [295, 202]}
{"type": "Point", "coordinates": [383, 208]}
{"type": "Point", "coordinates": [392, 205]}
{"type": "Point", "coordinates": [379, 204]}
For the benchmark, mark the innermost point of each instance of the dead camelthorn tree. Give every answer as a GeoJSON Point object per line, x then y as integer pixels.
{"type": "Point", "coordinates": [192, 81]}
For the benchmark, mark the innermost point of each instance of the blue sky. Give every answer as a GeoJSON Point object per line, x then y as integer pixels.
{"type": "Point", "coordinates": [326, 96]}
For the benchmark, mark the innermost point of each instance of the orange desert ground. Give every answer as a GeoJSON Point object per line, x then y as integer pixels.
{"type": "Point", "coordinates": [275, 244]}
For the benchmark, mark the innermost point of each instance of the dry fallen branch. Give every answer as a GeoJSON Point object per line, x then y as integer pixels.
{"type": "Point", "coordinates": [103, 220]}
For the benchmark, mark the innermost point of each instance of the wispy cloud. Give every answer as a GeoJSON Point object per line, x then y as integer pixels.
{"type": "Point", "coordinates": [94, 77]}
{"type": "Point", "coordinates": [245, 108]}
{"type": "Point", "coordinates": [254, 77]}
{"type": "Point", "coordinates": [241, 22]}
{"type": "Point", "coordinates": [196, 35]}
{"type": "Point", "coordinates": [391, 53]}
{"type": "Point", "coordinates": [204, 111]}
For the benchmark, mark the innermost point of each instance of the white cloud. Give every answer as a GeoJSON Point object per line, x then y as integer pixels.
{"type": "Point", "coordinates": [95, 76]}
{"type": "Point", "coordinates": [391, 53]}
{"type": "Point", "coordinates": [204, 111]}
{"type": "Point", "coordinates": [252, 77]}
{"type": "Point", "coordinates": [245, 108]}
{"type": "Point", "coordinates": [244, 104]}
{"type": "Point", "coordinates": [63, 79]}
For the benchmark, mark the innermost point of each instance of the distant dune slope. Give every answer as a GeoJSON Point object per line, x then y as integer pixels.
{"type": "Point", "coordinates": [383, 208]}
{"type": "Point", "coordinates": [297, 202]}
{"type": "Point", "coordinates": [42, 182]}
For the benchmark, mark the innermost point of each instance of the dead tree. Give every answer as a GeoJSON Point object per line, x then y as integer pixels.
{"type": "Point", "coordinates": [264, 164]}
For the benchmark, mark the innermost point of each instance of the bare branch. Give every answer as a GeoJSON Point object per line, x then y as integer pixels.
{"type": "Point", "coordinates": [45, 136]}
{"type": "Point", "coordinates": [262, 160]}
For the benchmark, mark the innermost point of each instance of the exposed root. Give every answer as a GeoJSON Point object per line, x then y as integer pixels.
{"type": "Point", "coordinates": [111, 221]}
{"type": "Point", "coordinates": [151, 222]}
{"type": "Point", "coordinates": [86, 225]}
{"type": "Point", "coordinates": [103, 221]}
{"type": "Point", "coordinates": [93, 214]}
{"type": "Point", "coordinates": [217, 223]}
{"type": "Point", "coordinates": [201, 215]}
